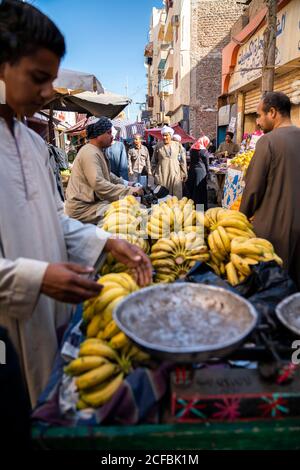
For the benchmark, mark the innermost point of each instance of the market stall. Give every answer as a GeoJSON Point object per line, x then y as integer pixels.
{"type": "Point", "coordinates": [162, 361]}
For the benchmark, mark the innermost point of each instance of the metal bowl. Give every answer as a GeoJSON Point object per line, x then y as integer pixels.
{"type": "Point", "coordinates": [186, 322]}
{"type": "Point", "coordinates": [288, 312]}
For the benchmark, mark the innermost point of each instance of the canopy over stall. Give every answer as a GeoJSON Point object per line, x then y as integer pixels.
{"type": "Point", "coordinates": [156, 132]}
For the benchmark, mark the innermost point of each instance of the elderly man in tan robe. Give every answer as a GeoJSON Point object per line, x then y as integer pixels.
{"type": "Point", "coordinates": [169, 163]}
{"type": "Point", "coordinates": [92, 186]}
{"type": "Point", "coordinates": [272, 192]}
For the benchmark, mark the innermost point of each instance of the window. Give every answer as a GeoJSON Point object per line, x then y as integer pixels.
{"type": "Point", "coordinates": [176, 80]}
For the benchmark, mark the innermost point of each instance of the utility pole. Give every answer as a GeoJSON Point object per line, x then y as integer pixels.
{"type": "Point", "coordinates": [268, 71]}
{"type": "Point", "coordinates": [127, 91]}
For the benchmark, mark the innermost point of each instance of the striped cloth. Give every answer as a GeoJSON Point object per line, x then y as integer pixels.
{"type": "Point", "coordinates": [136, 401]}
{"type": "Point", "coordinates": [127, 129]}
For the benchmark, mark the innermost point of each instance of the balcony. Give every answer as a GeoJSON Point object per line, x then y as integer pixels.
{"type": "Point", "coordinates": [162, 62]}
{"type": "Point", "coordinates": [162, 24]}
{"type": "Point", "coordinates": [169, 65]}
{"type": "Point", "coordinates": [165, 87]}
{"type": "Point", "coordinates": [148, 50]}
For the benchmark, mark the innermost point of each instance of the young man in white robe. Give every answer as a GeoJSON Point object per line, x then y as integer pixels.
{"type": "Point", "coordinates": [44, 255]}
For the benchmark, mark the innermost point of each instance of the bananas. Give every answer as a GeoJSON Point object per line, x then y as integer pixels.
{"type": "Point", "coordinates": [173, 257]}
{"type": "Point", "coordinates": [96, 376]}
{"type": "Point", "coordinates": [234, 248]}
{"type": "Point", "coordinates": [103, 393]}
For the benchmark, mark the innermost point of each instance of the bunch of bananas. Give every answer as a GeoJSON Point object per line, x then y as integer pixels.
{"type": "Point", "coordinates": [173, 257]}
{"type": "Point", "coordinates": [246, 253]}
{"type": "Point", "coordinates": [227, 229]}
{"type": "Point", "coordinates": [98, 311]}
{"type": "Point", "coordinates": [124, 216]}
{"type": "Point", "coordinates": [174, 216]}
{"type": "Point", "coordinates": [99, 371]}
{"type": "Point", "coordinates": [113, 266]}
{"type": "Point", "coordinates": [242, 160]}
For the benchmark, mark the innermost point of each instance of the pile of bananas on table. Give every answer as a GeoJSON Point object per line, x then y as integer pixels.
{"type": "Point", "coordinates": [176, 236]}
{"type": "Point", "coordinates": [173, 257]}
{"type": "Point", "coordinates": [125, 216]}
{"type": "Point", "coordinates": [107, 355]}
{"type": "Point", "coordinates": [243, 160]}
{"type": "Point", "coordinates": [233, 245]}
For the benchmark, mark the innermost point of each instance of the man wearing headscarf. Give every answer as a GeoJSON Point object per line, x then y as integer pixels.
{"type": "Point", "coordinates": [92, 186]}
{"type": "Point", "coordinates": [169, 163]}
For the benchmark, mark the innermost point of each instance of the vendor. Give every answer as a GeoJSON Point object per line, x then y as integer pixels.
{"type": "Point", "coordinates": [92, 186]}
{"type": "Point", "coordinates": [228, 148]}
{"type": "Point", "coordinates": [44, 255]}
{"type": "Point", "coordinates": [272, 192]}
{"type": "Point", "coordinates": [169, 163]}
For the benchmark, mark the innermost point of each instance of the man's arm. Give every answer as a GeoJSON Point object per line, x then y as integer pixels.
{"type": "Point", "coordinates": [129, 163]}
{"type": "Point", "coordinates": [256, 178]}
{"type": "Point", "coordinates": [147, 161]}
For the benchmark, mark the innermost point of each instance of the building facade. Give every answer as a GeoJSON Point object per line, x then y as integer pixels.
{"type": "Point", "coordinates": [184, 60]}
{"type": "Point", "coordinates": [242, 61]}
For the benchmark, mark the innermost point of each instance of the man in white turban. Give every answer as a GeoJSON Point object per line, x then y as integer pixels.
{"type": "Point", "coordinates": [169, 163]}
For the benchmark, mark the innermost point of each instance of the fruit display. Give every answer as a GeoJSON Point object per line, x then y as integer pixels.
{"type": "Point", "coordinates": [107, 355]}
{"type": "Point", "coordinates": [99, 371]}
{"type": "Point", "coordinates": [125, 216]}
{"type": "Point", "coordinates": [233, 245]}
{"type": "Point", "coordinates": [113, 266]}
{"type": "Point", "coordinates": [174, 216]}
{"type": "Point", "coordinates": [242, 160]}
{"type": "Point", "coordinates": [173, 257]}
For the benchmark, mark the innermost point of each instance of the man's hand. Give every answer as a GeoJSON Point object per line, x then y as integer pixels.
{"type": "Point", "coordinates": [64, 282]}
{"type": "Point", "coordinates": [138, 192]}
{"type": "Point", "coordinates": [133, 257]}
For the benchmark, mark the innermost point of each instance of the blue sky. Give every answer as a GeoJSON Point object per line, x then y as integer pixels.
{"type": "Point", "coordinates": [106, 38]}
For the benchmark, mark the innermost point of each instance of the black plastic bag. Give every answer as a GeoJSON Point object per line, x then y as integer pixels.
{"type": "Point", "coordinates": [264, 288]}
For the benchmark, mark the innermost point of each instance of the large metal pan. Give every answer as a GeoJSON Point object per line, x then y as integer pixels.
{"type": "Point", "coordinates": [288, 313]}
{"type": "Point", "coordinates": [186, 322]}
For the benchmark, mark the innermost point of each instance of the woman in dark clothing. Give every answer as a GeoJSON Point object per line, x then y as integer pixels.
{"type": "Point", "coordinates": [196, 184]}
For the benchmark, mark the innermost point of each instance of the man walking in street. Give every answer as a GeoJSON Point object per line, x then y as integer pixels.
{"type": "Point", "coordinates": [117, 156]}
{"type": "Point", "coordinates": [272, 192]}
{"type": "Point", "coordinates": [138, 159]}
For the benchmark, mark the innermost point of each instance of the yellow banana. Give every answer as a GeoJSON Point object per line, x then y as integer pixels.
{"type": "Point", "coordinates": [104, 393]}
{"type": "Point", "coordinates": [164, 245]}
{"type": "Point", "coordinates": [94, 326]}
{"type": "Point", "coordinates": [110, 330]}
{"type": "Point", "coordinates": [233, 222]}
{"type": "Point", "coordinates": [119, 340]}
{"type": "Point", "coordinates": [96, 376]}
{"type": "Point", "coordinates": [81, 405]}
{"type": "Point", "coordinates": [247, 249]}
{"type": "Point", "coordinates": [163, 263]}
{"type": "Point", "coordinates": [225, 239]}
{"type": "Point", "coordinates": [240, 264]}
{"type": "Point", "coordinates": [264, 243]}
{"type": "Point", "coordinates": [218, 243]}
{"type": "Point", "coordinates": [103, 300]}
{"type": "Point", "coordinates": [232, 275]}
{"type": "Point", "coordinates": [215, 267]}
{"type": "Point", "coordinates": [84, 364]}
{"type": "Point", "coordinates": [159, 255]}
{"type": "Point", "coordinates": [97, 349]}
{"type": "Point", "coordinates": [127, 282]}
